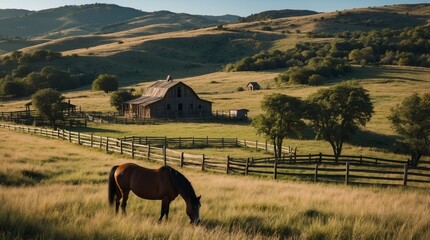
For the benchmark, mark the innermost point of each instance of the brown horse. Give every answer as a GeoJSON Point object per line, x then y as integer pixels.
{"type": "Point", "coordinates": [162, 184]}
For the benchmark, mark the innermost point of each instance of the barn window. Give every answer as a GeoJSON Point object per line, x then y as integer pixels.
{"type": "Point", "coordinates": [179, 92]}
{"type": "Point", "coordinates": [168, 106]}
{"type": "Point", "coordinates": [191, 106]}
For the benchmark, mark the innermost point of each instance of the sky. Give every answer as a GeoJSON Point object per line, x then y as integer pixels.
{"type": "Point", "coordinates": [218, 7]}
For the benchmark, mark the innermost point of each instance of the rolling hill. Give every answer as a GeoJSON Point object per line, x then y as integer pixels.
{"type": "Point", "coordinates": [275, 14]}
{"type": "Point", "coordinates": [8, 13]}
{"type": "Point", "coordinates": [93, 18]}
{"type": "Point", "coordinates": [144, 46]}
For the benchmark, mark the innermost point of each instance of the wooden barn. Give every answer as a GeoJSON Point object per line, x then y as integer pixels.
{"type": "Point", "coordinates": [252, 86]}
{"type": "Point", "coordinates": [168, 99]}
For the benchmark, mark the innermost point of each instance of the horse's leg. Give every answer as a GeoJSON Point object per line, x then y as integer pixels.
{"type": "Point", "coordinates": [165, 204]}
{"type": "Point", "coordinates": [117, 200]}
{"type": "Point", "coordinates": [124, 200]}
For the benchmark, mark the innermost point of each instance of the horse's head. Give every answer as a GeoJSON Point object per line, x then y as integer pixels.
{"type": "Point", "coordinates": [193, 210]}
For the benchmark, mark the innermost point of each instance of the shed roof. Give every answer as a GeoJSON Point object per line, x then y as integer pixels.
{"type": "Point", "coordinates": [253, 84]}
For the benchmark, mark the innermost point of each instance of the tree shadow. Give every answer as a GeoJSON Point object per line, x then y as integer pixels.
{"type": "Point", "coordinates": [91, 130]}
{"type": "Point", "coordinates": [365, 138]}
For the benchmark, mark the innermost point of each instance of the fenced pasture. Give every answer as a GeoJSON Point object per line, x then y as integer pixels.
{"type": "Point", "coordinates": [317, 167]}
{"type": "Point", "coordinates": [57, 190]}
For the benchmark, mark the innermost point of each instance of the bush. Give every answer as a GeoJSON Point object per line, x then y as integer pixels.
{"type": "Point", "coordinates": [240, 89]}
{"type": "Point", "coordinates": [106, 83]}
{"type": "Point", "coordinates": [315, 80]}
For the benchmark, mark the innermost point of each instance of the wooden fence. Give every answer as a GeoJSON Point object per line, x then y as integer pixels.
{"type": "Point", "coordinates": [346, 169]}
{"type": "Point", "coordinates": [194, 142]}
{"type": "Point", "coordinates": [316, 167]}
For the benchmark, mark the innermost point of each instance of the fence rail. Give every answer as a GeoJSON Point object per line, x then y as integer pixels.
{"type": "Point", "coordinates": [312, 167]}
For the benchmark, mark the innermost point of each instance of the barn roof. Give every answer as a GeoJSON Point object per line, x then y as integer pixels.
{"type": "Point", "coordinates": [144, 100]}
{"type": "Point", "coordinates": [159, 88]}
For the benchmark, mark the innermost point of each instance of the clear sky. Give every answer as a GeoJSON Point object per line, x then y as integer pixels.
{"type": "Point", "coordinates": [216, 7]}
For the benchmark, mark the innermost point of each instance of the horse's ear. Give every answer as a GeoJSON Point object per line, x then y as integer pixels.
{"type": "Point", "coordinates": [198, 198]}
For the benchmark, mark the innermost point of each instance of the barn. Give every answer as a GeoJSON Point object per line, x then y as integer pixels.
{"type": "Point", "coordinates": [168, 99]}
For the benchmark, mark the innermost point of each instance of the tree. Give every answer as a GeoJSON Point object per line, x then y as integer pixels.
{"type": "Point", "coordinates": [106, 83]}
{"type": "Point", "coordinates": [282, 118]}
{"type": "Point", "coordinates": [119, 97]}
{"type": "Point", "coordinates": [411, 119]}
{"type": "Point", "coordinates": [336, 112]}
{"type": "Point", "coordinates": [49, 103]}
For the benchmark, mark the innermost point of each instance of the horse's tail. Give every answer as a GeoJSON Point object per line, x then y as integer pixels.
{"type": "Point", "coordinates": [112, 185]}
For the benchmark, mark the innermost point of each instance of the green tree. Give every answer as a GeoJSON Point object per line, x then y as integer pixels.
{"type": "Point", "coordinates": [336, 112]}
{"type": "Point", "coordinates": [282, 118]}
{"type": "Point", "coordinates": [119, 97]}
{"type": "Point", "coordinates": [411, 119]}
{"type": "Point", "coordinates": [21, 71]}
{"type": "Point", "coordinates": [49, 103]}
{"type": "Point", "coordinates": [106, 83]}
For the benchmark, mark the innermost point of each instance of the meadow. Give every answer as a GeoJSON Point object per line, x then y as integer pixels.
{"type": "Point", "coordinates": [52, 190]}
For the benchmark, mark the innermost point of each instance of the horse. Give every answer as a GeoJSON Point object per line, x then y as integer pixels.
{"type": "Point", "coordinates": [163, 184]}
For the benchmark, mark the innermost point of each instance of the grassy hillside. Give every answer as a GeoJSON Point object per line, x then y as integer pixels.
{"type": "Point", "coordinates": [7, 13]}
{"type": "Point", "coordinates": [66, 21]}
{"type": "Point", "coordinates": [51, 189]}
{"type": "Point", "coordinates": [274, 14]}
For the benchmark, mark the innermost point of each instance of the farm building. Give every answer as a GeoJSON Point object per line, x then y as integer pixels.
{"type": "Point", "coordinates": [252, 86]}
{"type": "Point", "coordinates": [239, 113]}
{"type": "Point", "coordinates": [168, 99]}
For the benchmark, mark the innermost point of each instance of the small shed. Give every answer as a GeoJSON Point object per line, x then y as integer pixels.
{"type": "Point", "coordinates": [252, 86]}
{"type": "Point", "coordinates": [239, 113]}
{"type": "Point", "coordinates": [71, 108]}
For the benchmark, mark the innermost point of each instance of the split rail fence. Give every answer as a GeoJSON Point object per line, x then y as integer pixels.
{"type": "Point", "coordinates": [312, 167]}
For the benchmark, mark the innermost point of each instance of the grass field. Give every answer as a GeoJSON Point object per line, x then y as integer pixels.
{"type": "Point", "coordinates": [387, 85]}
{"type": "Point", "coordinates": [52, 189]}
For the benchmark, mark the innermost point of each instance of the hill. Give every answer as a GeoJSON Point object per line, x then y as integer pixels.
{"type": "Point", "coordinates": [7, 13]}
{"type": "Point", "coordinates": [92, 18]}
{"type": "Point", "coordinates": [66, 21]}
{"type": "Point", "coordinates": [275, 14]}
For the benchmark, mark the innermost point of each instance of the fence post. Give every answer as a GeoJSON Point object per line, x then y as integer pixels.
{"type": "Point", "coordinates": [79, 138]}
{"type": "Point", "coordinates": [181, 163]}
{"type": "Point", "coordinates": [405, 175]}
{"type": "Point", "coordinates": [165, 155]}
{"type": "Point", "coordinates": [207, 141]}
{"type": "Point", "coordinates": [107, 144]}
{"type": "Point", "coordinates": [320, 159]}
{"type": "Point", "coordinates": [316, 173]}
{"type": "Point", "coordinates": [275, 169]}
{"type": "Point", "coordinates": [310, 158]}
{"type": "Point", "coordinates": [361, 159]}
{"type": "Point", "coordinates": [256, 145]}
{"type": "Point", "coordinates": [347, 173]}
{"type": "Point", "coordinates": [101, 142]}
{"type": "Point", "coordinates": [265, 147]}
{"type": "Point", "coordinates": [120, 146]}
{"type": "Point", "coordinates": [180, 142]}
{"type": "Point", "coordinates": [193, 142]}
{"type": "Point", "coordinates": [222, 139]}
{"type": "Point", "coordinates": [165, 141]}
{"type": "Point", "coordinates": [228, 164]}
{"type": "Point", "coordinates": [70, 136]}
{"type": "Point", "coordinates": [247, 166]}
{"type": "Point", "coordinates": [149, 151]}
{"type": "Point", "coordinates": [91, 140]}
{"type": "Point", "coordinates": [237, 142]}
{"type": "Point", "coordinates": [203, 162]}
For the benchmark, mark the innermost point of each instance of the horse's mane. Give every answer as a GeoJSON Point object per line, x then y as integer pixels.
{"type": "Point", "coordinates": [183, 185]}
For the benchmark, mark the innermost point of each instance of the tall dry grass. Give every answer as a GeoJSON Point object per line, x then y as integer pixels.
{"type": "Point", "coordinates": [60, 192]}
